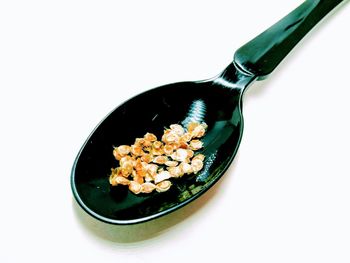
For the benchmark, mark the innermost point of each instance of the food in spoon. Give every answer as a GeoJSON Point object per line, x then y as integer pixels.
{"type": "Point", "coordinates": [149, 164]}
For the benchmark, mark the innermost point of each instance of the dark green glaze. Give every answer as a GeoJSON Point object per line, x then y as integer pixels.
{"type": "Point", "coordinates": [217, 102]}
{"type": "Point", "coordinates": [261, 55]}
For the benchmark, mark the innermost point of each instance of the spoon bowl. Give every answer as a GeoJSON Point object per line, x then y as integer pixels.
{"type": "Point", "coordinates": [216, 102]}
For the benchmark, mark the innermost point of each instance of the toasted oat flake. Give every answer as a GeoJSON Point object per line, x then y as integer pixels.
{"type": "Point", "coordinates": [180, 155]}
{"type": "Point", "coordinates": [196, 144]}
{"type": "Point", "coordinates": [175, 171]}
{"type": "Point", "coordinates": [186, 168]}
{"type": "Point", "coordinates": [135, 187]}
{"type": "Point", "coordinates": [196, 165]}
{"type": "Point", "coordinates": [163, 186]}
{"type": "Point", "coordinates": [199, 156]}
{"type": "Point", "coordinates": [160, 159]}
{"type": "Point", "coordinates": [171, 163]}
{"type": "Point", "coordinates": [147, 188]}
{"type": "Point", "coordinates": [161, 176]}
{"type": "Point", "coordinates": [150, 165]}
{"type": "Point", "coordinates": [178, 129]}
{"type": "Point", "coordinates": [150, 137]}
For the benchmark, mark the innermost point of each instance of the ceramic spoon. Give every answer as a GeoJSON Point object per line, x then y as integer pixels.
{"type": "Point", "coordinates": [217, 101]}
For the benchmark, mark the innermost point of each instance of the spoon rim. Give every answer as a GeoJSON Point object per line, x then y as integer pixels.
{"type": "Point", "coordinates": [207, 185]}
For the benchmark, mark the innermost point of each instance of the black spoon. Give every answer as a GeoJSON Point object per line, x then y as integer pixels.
{"type": "Point", "coordinates": [216, 101]}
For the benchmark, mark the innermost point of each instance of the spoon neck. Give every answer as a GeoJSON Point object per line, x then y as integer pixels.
{"type": "Point", "coordinates": [234, 77]}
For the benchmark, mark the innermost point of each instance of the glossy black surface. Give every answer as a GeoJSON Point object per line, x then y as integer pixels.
{"type": "Point", "coordinates": [216, 102]}
{"type": "Point", "coordinates": [261, 55]}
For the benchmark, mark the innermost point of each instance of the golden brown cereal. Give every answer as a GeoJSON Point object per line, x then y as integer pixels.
{"type": "Point", "coordinates": [145, 166]}
{"type": "Point", "coordinates": [136, 150]}
{"type": "Point", "coordinates": [190, 153]}
{"type": "Point", "coordinates": [191, 126]}
{"type": "Point", "coordinates": [147, 158]}
{"type": "Point", "coordinates": [116, 171]}
{"type": "Point", "coordinates": [125, 159]}
{"type": "Point", "coordinates": [198, 131]}
{"type": "Point", "coordinates": [135, 187]}
{"type": "Point", "coordinates": [196, 165]}
{"type": "Point", "coordinates": [186, 168]}
{"type": "Point", "coordinates": [196, 145]}
{"type": "Point", "coordinates": [199, 156]}
{"type": "Point", "coordinates": [178, 129]}
{"type": "Point", "coordinates": [157, 145]}
{"type": "Point", "coordinates": [170, 137]}
{"type": "Point", "coordinates": [139, 176]}
{"type": "Point", "coordinates": [180, 155]}
{"type": "Point", "coordinates": [121, 180]}
{"type": "Point", "coordinates": [168, 149]}
{"type": "Point", "coordinates": [150, 137]}
{"type": "Point", "coordinates": [126, 168]}
{"type": "Point", "coordinates": [157, 151]}
{"type": "Point", "coordinates": [148, 177]}
{"type": "Point", "coordinates": [175, 171]}
{"type": "Point", "coordinates": [163, 186]}
{"type": "Point", "coordinates": [147, 188]}
{"type": "Point", "coordinates": [152, 169]}
{"type": "Point", "coordinates": [160, 159]}
{"type": "Point", "coordinates": [186, 137]}
{"type": "Point", "coordinates": [171, 163]}
{"type": "Point", "coordinates": [161, 176]}
{"type": "Point", "coordinates": [124, 150]}
{"type": "Point", "coordinates": [116, 154]}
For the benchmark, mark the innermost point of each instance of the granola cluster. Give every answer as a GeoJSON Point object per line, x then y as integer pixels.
{"type": "Point", "coordinates": [148, 164]}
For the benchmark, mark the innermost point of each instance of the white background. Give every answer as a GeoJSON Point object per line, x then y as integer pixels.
{"type": "Point", "coordinates": [65, 64]}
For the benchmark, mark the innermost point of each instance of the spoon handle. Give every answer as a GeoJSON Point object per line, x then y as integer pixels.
{"type": "Point", "coordinates": [261, 55]}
